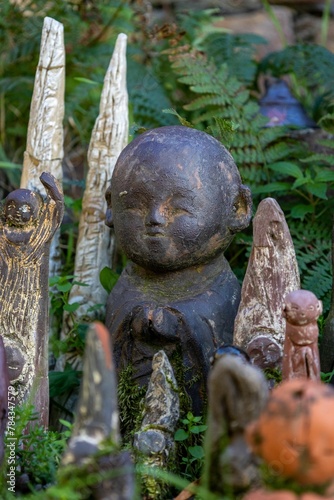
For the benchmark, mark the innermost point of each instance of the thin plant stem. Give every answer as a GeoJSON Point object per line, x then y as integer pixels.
{"type": "Point", "coordinates": [325, 23]}
{"type": "Point", "coordinates": [275, 22]}
{"type": "Point", "coordinates": [281, 34]}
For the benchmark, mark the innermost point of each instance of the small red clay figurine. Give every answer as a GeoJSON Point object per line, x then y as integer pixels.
{"type": "Point", "coordinates": [301, 354]}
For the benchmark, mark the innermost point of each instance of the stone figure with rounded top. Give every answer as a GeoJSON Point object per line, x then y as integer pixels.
{"type": "Point", "coordinates": [175, 202]}
{"type": "Point", "coordinates": [28, 223]}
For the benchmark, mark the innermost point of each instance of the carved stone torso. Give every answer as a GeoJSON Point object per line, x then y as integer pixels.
{"type": "Point", "coordinates": [189, 317]}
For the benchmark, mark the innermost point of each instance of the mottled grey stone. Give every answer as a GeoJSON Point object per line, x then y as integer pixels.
{"type": "Point", "coordinates": [150, 441]}
{"type": "Point", "coordinates": [154, 441]}
{"type": "Point", "coordinates": [161, 400]}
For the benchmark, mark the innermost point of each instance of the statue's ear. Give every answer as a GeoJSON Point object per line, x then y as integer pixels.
{"type": "Point", "coordinates": [242, 210]}
{"type": "Point", "coordinates": [109, 217]}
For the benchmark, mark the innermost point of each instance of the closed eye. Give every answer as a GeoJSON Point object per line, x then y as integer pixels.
{"type": "Point", "coordinates": [177, 210]}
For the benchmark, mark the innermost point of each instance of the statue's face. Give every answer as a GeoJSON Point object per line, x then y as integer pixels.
{"type": "Point", "coordinates": [176, 199]}
{"type": "Point", "coordinates": [167, 219]}
{"type": "Point", "coordinates": [302, 307]}
{"type": "Point", "coordinates": [21, 207]}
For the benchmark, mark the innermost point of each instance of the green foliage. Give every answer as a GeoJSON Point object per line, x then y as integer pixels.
{"type": "Point", "coordinates": [60, 287]}
{"type": "Point", "coordinates": [313, 250]}
{"type": "Point", "coordinates": [108, 278]}
{"type": "Point", "coordinates": [37, 451]}
{"type": "Point", "coordinates": [235, 50]}
{"type": "Point", "coordinates": [326, 377]}
{"type": "Point", "coordinates": [274, 374]}
{"type": "Point", "coordinates": [64, 381]}
{"type": "Point", "coordinates": [190, 438]}
{"type": "Point", "coordinates": [130, 400]}
{"type": "Point", "coordinates": [223, 105]}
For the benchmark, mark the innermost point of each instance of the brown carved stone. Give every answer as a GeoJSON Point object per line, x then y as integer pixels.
{"type": "Point", "coordinates": [27, 224]}
{"type": "Point", "coordinates": [301, 354]}
{"type": "Point", "coordinates": [175, 201]}
{"type": "Point", "coordinates": [271, 274]}
{"type": "Point", "coordinates": [97, 420]}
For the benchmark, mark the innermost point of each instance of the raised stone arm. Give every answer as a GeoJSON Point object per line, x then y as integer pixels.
{"type": "Point", "coordinates": [53, 188]}
{"type": "Point", "coordinates": [54, 194]}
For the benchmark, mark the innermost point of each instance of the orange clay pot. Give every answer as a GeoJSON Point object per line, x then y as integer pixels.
{"type": "Point", "coordinates": [295, 432]}
{"type": "Point", "coordinates": [283, 495]}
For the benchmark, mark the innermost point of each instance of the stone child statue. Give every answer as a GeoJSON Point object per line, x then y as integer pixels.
{"type": "Point", "coordinates": [301, 354]}
{"type": "Point", "coordinates": [175, 201]}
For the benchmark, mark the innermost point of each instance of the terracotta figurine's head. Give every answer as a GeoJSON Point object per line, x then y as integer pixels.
{"type": "Point", "coordinates": [22, 207]}
{"type": "Point", "coordinates": [301, 307]}
{"type": "Point", "coordinates": [176, 199]}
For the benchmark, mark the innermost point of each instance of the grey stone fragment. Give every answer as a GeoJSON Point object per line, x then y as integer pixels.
{"type": "Point", "coordinates": [150, 441]}
{"type": "Point", "coordinates": [161, 400]}
{"type": "Point", "coordinates": [154, 441]}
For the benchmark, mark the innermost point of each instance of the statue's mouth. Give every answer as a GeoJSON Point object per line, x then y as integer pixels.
{"type": "Point", "coordinates": [155, 233]}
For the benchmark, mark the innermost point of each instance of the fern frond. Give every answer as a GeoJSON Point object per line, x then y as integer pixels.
{"type": "Point", "coordinates": [319, 281]}
{"type": "Point", "coordinates": [312, 243]}
{"type": "Point", "coordinates": [236, 50]}
{"type": "Point", "coordinates": [320, 158]}
{"type": "Point", "coordinates": [207, 100]}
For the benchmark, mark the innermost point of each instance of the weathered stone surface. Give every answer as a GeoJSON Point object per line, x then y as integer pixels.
{"type": "Point", "coordinates": [271, 274]}
{"type": "Point", "coordinates": [97, 413]}
{"type": "Point", "coordinates": [44, 149]}
{"type": "Point", "coordinates": [161, 400]}
{"type": "Point", "coordinates": [154, 441]}
{"type": "Point", "coordinates": [27, 225]}
{"type": "Point", "coordinates": [97, 420]}
{"type": "Point", "coordinates": [161, 411]}
{"type": "Point", "coordinates": [178, 193]}
{"type": "Point", "coordinates": [301, 354]}
{"type": "Point", "coordinates": [237, 393]}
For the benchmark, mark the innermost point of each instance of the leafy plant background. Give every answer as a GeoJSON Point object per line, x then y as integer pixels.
{"type": "Point", "coordinates": [187, 72]}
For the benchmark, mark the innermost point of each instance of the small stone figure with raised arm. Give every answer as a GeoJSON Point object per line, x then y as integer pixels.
{"type": "Point", "coordinates": [175, 201]}
{"type": "Point", "coordinates": [301, 354]}
{"type": "Point", "coordinates": [27, 225]}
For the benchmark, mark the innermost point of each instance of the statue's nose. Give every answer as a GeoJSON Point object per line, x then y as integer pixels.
{"type": "Point", "coordinates": [155, 216]}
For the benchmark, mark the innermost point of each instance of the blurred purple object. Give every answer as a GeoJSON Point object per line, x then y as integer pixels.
{"type": "Point", "coordinates": [282, 108]}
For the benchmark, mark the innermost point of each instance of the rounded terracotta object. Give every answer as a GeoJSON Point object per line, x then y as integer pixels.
{"type": "Point", "coordinates": [295, 433]}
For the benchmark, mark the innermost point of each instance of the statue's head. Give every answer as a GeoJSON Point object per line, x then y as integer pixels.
{"type": "Point", "coordinates": [301, 307]}
{"type": "Point", "coordinates": [21, 207]}
{"type": "Point", "coordinates": [176, 199]}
